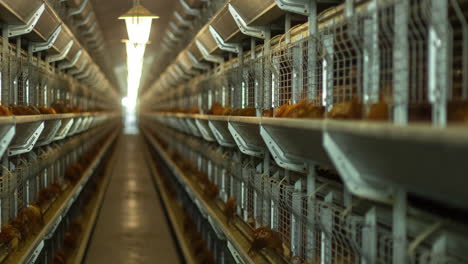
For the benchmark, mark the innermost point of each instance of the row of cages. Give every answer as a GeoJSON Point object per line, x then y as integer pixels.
{"type": "Point", "coordinates": [29, 86]}
{"type": "Point", "coordinates": [308, 219]}
{"type": "Point", "coordinates": [398, 60]}
{"type": "Point", "coordinates": [62, 246]}
{"type": "Point", "coordinates": [32, 183]}
{"type": "Point", "coordinates": [206, 245]}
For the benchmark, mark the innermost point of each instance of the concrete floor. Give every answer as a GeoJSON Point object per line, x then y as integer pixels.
{"type": "Point", "coordinates": [131, 227]}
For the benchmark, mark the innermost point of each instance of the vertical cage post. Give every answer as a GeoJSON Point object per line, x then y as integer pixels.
{"type": "Point", "coordinates": [327, 220]}
{"type": "Point", "coordinates": [371, 56]}
{"type": "Point", "coordinates": [370, 237]}
{"type": "Point", "coordinates": [275, 195]}
{"type": "Point", "coordinates": [267, 82]}
{"type": "Point", "coordinates": [258, 194]}
{"type": "Point", "coordinates": [296, 219]}
{"type": "Point", "coordinates": [327, 70]}
{"type": "Point", "coordinates": [439, 61]}
{"type": "Point", "coordinates": [297, 72]}
{"type": "Point", "coordinates": [239, 87]}
{"type": "Point", "coordinates": [312, 50]}
{"type": "Point", "coordinates": [439, 250]}
{"type": "Point", "coordinates": [399, 228]}
{"type": "Point", "coordinates": [266, 190]}
{"type": "Point", "coordinates": [311, 185]}
{"type": "Point", "coordinates": [401, 63]}
{"type": "Point", "coordinates": [5, 96]}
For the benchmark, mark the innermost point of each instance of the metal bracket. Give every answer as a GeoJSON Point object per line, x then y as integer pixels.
{"type": "Point", "coordinates": [295, 6]}
{"type": "Point", "coordinates": [196, 63]}
{"type": "Point", "coordinates": [177, 30]}
{"type": "Point", "coordinates": [206, 55]}
{"type": "Point", "coordinates": [36, 253]}
{"type": "Point", "coordinates": [217, 230]}
{"type": "Point", "coordinates": [50, 130]}
{"type": "Point", "coordinates": [26, 137]}
{"type": "Point", "coordinates": [221, 133]}
{"type": "Point", "coordinates": [279, 156]}
{"type": "Point", "coordinates": [243, 144]}
{"type": "Point", "coordinates": [85, 21]}
{"type": "Point", "coordinates": [78, 10]}
{"type": "Point", "coordinates": [82, 67]}
{"type": "Point", "coordinates": [188, 9]}
{"type": "Point", "coordinates": [67, 65]}
{"type": "Point", "coordinates": [181, 20]}
{"type": "Point", "coordinates": [222, 45]}
{"type": "Point", "coordinates": [187, 69]}
{"type": "Point", "coordinates": [7, 132]}
{"type": "Point", "coordinates": [253, 31]}
{"type": "Point", "coordinates": [351, 175]}
{"type": "Point", "coordinates": [54, 227]}
{"type": "Point", "coordinates": [174, 75]}
{"type": "Point", "coordinates": [90, 29]}
{"type": "Point", "coordinates": [172, 36]}
{"type": "Point", "coordinates": [18, 30]}
{"type": "Point", "coordinates": [61, 55]}
{"type": "Point", "coordinates": [84, 74]}
{"type": "Point", "coordinates": [41, 46]}
{"type": "Point", "coordinates": [235, 254]}
{"type": "Point", "coordinates": [181, 72]}
{"type": "Point", "coordinates": [204, 129]}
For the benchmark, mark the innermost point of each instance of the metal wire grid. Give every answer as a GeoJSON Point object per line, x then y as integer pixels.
{"type": "Point", "coordinates": [249, 86]}
{"type": "Point", "coordinates": [313, 226]}
{"type": "Point", "coordinates": [234, 86]}
{"type": "Point", "coordinates": [457, 14]}
{"type": "Point", "coordinates": [289, 68]}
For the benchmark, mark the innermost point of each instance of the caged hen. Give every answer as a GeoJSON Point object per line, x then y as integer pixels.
{"type": "Point", "coordinates": [264, 237]}
{"type": "Point", "coordinates": [230, 209]}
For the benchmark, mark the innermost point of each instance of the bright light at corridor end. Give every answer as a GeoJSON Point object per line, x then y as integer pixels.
{"type": "Point", "coordinates": [138, 22]}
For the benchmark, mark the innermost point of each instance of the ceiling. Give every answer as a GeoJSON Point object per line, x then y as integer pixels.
{"type": "Point", "coordinates": [108, 11]}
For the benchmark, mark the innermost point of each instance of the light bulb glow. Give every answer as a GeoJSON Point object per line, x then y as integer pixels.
{"type": "Point", "coordinates": [138, 22]}
{"type": "Point", "coordinates": [138, 28]}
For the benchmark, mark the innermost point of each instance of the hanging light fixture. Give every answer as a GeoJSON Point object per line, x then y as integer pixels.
{"type": "Point", "coordinates": [138, 22]}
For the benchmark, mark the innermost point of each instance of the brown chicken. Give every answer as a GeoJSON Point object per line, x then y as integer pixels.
{"type": "Point", "coordinates": [230, 209]}
{"type": "Point", "coordinates": [60, 107]}
{"type": "Point", "coordinates": [202, 177]}
{"type": "Point", "coordinates": [34, 215]}
{"type": "Point", "coordinates": [70, 240]}
{"type": "Point", "coordinates": [211, 191]}
{"type": "Point", "coordinates": [45, 197]}
{"type": "Point", "coordinates": [10, 236]}
{"type": "Point", "coordinates": [248, 111]}
{"type": "Point", "coordinates": [346, 110]}
{"type": "Point", "coordinates": [216, 109]}
{"type": "Point", "coordinates": [267, 113]}
{"type": "Point", "coordinates": [207, 257]}
{"type": "Point", "coordinates": [4, 111]}
{"type": "Point", "coordinates": [265, 237]}
{"type": "Point", "coordinates": [74, 172]}
{"type": "Point", "coordinates": [457, 112]}
{"type": "Point", "coordinates": [295, 110]}
{"type": "Point", "coordinates": [226, 111]}
{"type": "Point", "coordinates": [198, 247]}
{"type": "Point", "coordinates": [279, 112]}
{"type": "Point", "coordinates": [188, 225]}
{"type": "Point", "coordinates": [59, 258]}
{"type": "Point", "coordinates": [378, 111]}
{"type": "Point", "coordinates": [193, 111]}
{"type": "Point", "coordinates": [314, 112]}
{"type": "Point", "coordinates": [47, 110]}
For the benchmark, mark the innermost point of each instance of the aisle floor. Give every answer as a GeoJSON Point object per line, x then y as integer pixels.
{"type": "Point", "coordinates": [131, 227]}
